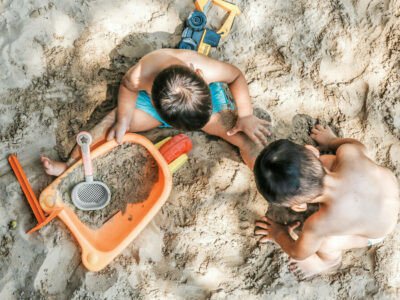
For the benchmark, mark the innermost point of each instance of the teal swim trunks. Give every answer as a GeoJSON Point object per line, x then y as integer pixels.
{"type": "Point", "coordinates": [218, 97]}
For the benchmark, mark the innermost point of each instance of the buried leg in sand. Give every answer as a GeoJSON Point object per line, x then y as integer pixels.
{"type": "Point", "coordinates": [358, 200]}
{"type": "Point", "coordinates": [56, 168]}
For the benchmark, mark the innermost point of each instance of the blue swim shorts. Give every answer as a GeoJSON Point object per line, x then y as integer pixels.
{"type": "Point", "coordinates": [218, 96]}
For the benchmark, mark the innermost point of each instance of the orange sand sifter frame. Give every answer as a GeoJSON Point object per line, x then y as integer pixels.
{"type": "Point", "coordinates": [100, 247]}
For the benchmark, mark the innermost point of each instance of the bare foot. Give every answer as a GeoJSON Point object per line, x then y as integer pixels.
{"type": "Point", "coordinates": [313, 265]}
{"type": "Point", "coordinates": [53, 167]}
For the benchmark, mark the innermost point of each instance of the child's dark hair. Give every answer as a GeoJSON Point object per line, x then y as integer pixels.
{"type": "Point", "coordinates": [287, 173]}
{"type": "Point", "coordinates": [182, 98]}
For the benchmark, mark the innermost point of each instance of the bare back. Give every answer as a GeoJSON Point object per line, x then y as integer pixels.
{"type": "Point", "coordinates": [359, 202]}
{"type": "Point", "coordinates": [141, 76]}
{"type": "Point", "coordinates": [362, 198]}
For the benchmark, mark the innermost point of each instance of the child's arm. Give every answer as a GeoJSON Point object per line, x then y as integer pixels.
{"type": "Point", "coordinates": [308, 242]}
{"type": "Point", "coordinates": [327, 140]}
{"type": "Point", "coordinates": [252, 126]}
{"type": "Point", "coordinates": [137, 78]}
{"type": "Point", "coordinates": [126, 104]}
{"type": "Point", "coordinates": [218, 71]}
{"type": "Point", "coordinates": [131, 83]}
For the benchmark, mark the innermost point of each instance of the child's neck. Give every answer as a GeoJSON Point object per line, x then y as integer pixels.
{"type": "Point", "coordinates": [330, 183]}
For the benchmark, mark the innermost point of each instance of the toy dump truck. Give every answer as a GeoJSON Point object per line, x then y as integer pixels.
{"type": "Point", "coordinates": [196, 37]}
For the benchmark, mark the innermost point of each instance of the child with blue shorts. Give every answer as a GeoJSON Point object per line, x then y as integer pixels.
{"type": "Point", "coordinates": [180, 89]}
{"type": "Point", "coordinates": [219, 102]}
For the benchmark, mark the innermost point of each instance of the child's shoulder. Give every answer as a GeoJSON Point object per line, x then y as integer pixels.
{"type": "Point", "coordinates": [348, 149]}
{"type": "Point", "coordinates": [351, 152]}
{"type": "Point", "coordinates": [157, 53]}
{"type": "Point", "coordinates": [172, 52]}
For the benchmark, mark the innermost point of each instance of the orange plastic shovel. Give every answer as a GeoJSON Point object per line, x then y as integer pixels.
{"type": "Point", "coordinates": [30, 196]}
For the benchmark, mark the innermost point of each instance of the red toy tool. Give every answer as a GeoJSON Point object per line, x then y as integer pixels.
{"type": "Point", "coordinates": [175, 147]}
{"type": "Point", "coordinates": [30, 196]}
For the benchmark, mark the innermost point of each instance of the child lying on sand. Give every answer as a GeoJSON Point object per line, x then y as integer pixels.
{"type": "Point", "coordinates": [358, 200]}
{"type": "Point", "coordinates": [180, 89]}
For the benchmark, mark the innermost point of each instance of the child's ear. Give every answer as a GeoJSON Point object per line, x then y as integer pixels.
{"type": "Point", "coordinates": [299, 207]}
{"type": "Point", "coordinates": [200, 73]}
{"type": "Point", "coordinates": [314, 150]}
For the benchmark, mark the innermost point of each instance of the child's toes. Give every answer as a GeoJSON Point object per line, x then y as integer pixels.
{"type": "Point", "coordinates": [293, 267]}
{"type": "Point", "coordinates": [46, 163]}
{"type": "Point", "coordinates": [44, 159]}
{"type": "Point", "coordinates": [300, 275]}
{"type": "Point", "coordinates": [297, 272]}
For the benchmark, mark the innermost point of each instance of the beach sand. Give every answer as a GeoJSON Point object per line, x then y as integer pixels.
{"type": "Point", "coordinates": [61, 63]}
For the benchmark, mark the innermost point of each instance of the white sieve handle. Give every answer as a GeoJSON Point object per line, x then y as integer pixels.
{"type": "Point", "coordinates": [84, 140]}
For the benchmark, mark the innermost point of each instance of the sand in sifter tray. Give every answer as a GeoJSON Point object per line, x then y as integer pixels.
{"type": "Point", "coordinates": [129, 171]}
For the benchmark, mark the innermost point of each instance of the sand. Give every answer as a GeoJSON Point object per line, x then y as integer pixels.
{"type": "Point", "coordinates": [129, 171]}
{"type": "Point", "coordinates": [305, 61]}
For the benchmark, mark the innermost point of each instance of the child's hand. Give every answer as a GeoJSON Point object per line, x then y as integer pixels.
{"type": "Point", "coordinates": [322, 136]}
{"type": "Point", "coordinates": [270, 230]}
{"type": "Point", "coordinates": [118, 131]}
{"type": "Point", "coordinates": [253, 127]}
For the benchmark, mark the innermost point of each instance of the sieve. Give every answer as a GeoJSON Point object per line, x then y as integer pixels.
{"type": "Point", "coordinates": [90, 194]}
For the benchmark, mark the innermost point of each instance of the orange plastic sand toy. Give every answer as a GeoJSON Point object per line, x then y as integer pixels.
{"type": "Point", "coordinates": [100, 247]}
{"type": "Point", "coordinates": [30, 195]}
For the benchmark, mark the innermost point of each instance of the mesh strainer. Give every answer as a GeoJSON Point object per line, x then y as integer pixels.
{"type": "Point", "coordinates": [89, 195]}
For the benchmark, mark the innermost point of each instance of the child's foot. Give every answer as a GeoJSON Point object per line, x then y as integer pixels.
{"type": "Point", "coordinates": [313, 265]}
{"type": "Point", "coordinates": [53, 167]}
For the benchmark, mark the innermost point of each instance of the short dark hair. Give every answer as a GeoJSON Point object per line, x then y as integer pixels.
{"type": "Point", "coordinates": [182, 98]}
{"type": "Point", "coordinates": [287, 173]}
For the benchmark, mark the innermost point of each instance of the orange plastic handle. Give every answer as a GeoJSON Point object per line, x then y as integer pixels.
{"type": "Point", "coordinates": [26, 188]}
